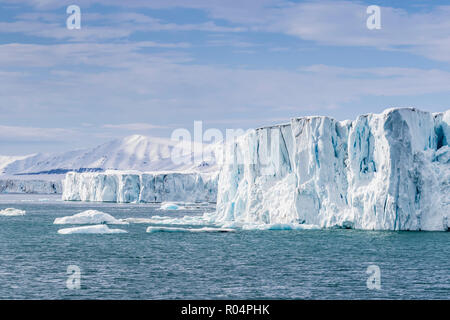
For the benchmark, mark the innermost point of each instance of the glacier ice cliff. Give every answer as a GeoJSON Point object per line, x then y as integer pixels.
{"type": "Point", "coordinates": [388, 171]}
{"type": "Point", "coordinates": [8, 185]}
{"type": "Point", "coordinates": [135, 187]}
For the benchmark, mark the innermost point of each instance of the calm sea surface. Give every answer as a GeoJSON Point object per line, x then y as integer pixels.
{"type": "Point", "coordinates": [309, 264]}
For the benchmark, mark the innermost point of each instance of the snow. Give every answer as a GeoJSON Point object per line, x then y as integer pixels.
{"type": "Point", "coordinates": [170, 206]}
{"type": "Point", "coordinates": [89, 217]}
{"type": "Point", "coordinates": [386, 171]}
{"type": "Point", "coordinates": [134, 152]}
{"type": "Point", "coordinates": [96, 229]}
{"type": "Point", "coordinates": [134, 187]}
{"type": "Point", "coordinates": [7, 160]}
{"type": "Point", "coordinates": [172, 229]}
{"type": "Point", "coordinates": [12, 212]}
{"type": "Point", "coordinates": [43, 173]}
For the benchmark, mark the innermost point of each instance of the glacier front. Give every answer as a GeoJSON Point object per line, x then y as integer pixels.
{"type": "Point", "coordinates": [135, 187]}
{"type": "Point", "coordinates": [388, 171]}
{"type": "Point", "coordinates": [13, 185]}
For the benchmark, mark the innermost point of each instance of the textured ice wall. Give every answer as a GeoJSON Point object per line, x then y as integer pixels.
{"type": "Point", "coordinates": [117, 186]}
{"type": "Point", "coordinates": [30, 186]}
{"type": "Point", "coordinates": [388, 171]}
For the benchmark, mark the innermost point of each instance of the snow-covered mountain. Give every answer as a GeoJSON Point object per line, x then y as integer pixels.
{"type": "Point", "coordinates": [7, 160]}
{"type": "Point", "coordinates": [134, 152]}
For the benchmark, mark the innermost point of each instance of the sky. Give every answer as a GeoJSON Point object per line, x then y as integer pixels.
{"type": "Point", "coordinates": [150, 67]}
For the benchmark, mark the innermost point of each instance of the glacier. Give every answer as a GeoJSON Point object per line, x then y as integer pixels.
{"type": "Point", "coordinates": [388, 171]}
{"type": "Point", "coordinates": [43, 173]}
{"type": "Point", "coordinates": [140, 187]}
{"type": "Point", "coordinates": [9, 185]}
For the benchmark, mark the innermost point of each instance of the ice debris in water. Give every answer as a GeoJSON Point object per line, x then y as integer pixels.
{"type": "Point", "coordinates": [195, 230]}
{"type": "Point", "coordinates": [186, 220]}
{"type": "Point", "coordinates": [270, 226]}
{"type": "Point", "coordinates": [12, 212]}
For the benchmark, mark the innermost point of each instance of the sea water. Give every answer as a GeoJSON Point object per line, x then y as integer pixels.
{"type": "Point", "coordinates": [301, 264]}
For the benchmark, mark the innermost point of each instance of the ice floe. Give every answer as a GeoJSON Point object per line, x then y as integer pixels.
{"type": "Point", "coordinates": [12, 212]}
{"type": "Point", "coordinates": [95, 229]}
{"type": "Point", "coordinates": [153, 229]}
{"type": "Point", "coordinates": [171, 206]}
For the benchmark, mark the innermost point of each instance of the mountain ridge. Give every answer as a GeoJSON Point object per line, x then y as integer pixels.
{"type": "Point", "coordinates": [134, 152]}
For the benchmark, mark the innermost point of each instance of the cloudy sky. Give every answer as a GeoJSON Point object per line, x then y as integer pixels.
{"type": "Point", "coordinates": [153, 66]}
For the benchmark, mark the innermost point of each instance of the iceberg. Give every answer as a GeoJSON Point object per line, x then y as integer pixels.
{"type": "Point", "coordinates": [89, 217]}
{"type": "Point", "coordinates": [388, 171]}
{"type": "Point", "coordinates": [170, 206]}
{"type": "Point", "coordinates": [135, 187]}
{"type": "Point", "coordinates": [9, 212]}
{"type": "Point", "coordinates": [96, 229]}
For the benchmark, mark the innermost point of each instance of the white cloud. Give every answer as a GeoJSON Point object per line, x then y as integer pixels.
{"type": "Point", "coordinates": [96, 26]}
{"type": "Point", "coordinates": [339, 23]}
{"type": "Point", "coordinates": [139, 84]}
{"type": "Point", "coordinates": [121, 84]}
{"type": "Point", "coordinates": [343, 23]}
{"type": "Point", "coordinates": [19, 133]}
{"type": "Point", "coordinates": [133, 126]}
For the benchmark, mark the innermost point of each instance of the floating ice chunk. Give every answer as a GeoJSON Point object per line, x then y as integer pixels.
{"type": "Point", "coordinates": [170, 206]}
{"type": "Point", "coordinates": [12, 212]}
{"type": "Point", "coordinates": [172, 229]}
{"type": "Point", "coordinates": [89, 217]}
{"type": "Point", "coordinates": [98, 229]}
